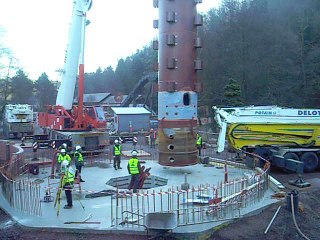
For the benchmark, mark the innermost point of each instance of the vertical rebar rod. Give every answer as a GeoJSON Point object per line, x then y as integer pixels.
{"type": "Point", "coordinates": [160, 200]}
{"type": "Point", "coordinates": [154, 201]}
{"type": "Point", "coordinates": [142, 204]}
{"type": "Point", "coordinates": [131, 208]}
{"type": "Point", "coordinates": [121, 207]}
{"type": "Point", "coordinates": [117, 206]}
{"type": "Point", "coordinates": [178, 205]}
{"type": "Point", "coordinates": [111, 210]}
{"type": "Point", "coordinates": [172, 199]}
{"type": "Point", "coordinates": [168, 199]}
{"type": "Point", "coordinates": [148, 204]}
{"type": "Point", "coordinates": [138, 208]}
{"type": "Point", "coordinates": [126, 200]}
{"type": "Point", "coordinates": [187, 210]}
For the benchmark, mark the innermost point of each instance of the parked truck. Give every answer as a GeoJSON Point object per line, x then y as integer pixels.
{"type": "Point", "coordinates": [289, 138]}
{"type": "Point", "coordinates": [18, 120]}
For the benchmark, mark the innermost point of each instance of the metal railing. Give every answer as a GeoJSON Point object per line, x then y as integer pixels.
{"type": "Point", "coordinates": [22, 195]}
{"type": "Point", "coordinates": [200, 204]}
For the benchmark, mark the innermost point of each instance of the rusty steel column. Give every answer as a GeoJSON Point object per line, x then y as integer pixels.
{"type": "Point", "coordinates": [177, 85]}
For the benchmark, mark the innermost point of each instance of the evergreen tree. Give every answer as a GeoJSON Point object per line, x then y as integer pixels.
{"type": "Point", "coordinates": [46, 92]}
{"type": "Point", "coordinates": [22, 88]}
{"type": "Point", "coordinates": [232, 93]}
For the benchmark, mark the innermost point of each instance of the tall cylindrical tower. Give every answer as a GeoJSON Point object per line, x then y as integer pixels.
{"type": "Point", "coordinates": [178, 85]}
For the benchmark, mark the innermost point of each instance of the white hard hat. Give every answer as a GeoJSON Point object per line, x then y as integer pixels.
{"type": "Point", "coordinates": [64, 163]}
{"type": "Point", "coordinates": [116, 141]}
{"type": "Point", "coordinates": [63, 150]}
{"type": "Point", "coordinates": [134, 153]}
{"type": "Point", "coordinates": [64, 145]}
{"type": "Point", "coordinates": [78, 148]}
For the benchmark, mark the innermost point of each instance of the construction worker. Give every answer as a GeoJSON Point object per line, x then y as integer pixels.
{"type": "Point", "coordinates": [134, 169]}
{"type": "Point", "coordinates": [63, 146]}
{"type": "Point", "coordinates": [78, 159]}
{"type": "Point", "coordinates": [117, 152]}
{"type": "Point", "coordinates": [67, 182]}
{"type": "Point", "coordinates": [63, 156]}
{"type": "Point", "coordinates": [199, 143]}
{"type": "Point", "coordinates": [153, 137]}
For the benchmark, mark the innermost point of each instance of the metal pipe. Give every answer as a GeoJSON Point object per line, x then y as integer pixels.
{"type": "Point", "coordinates": [111, 211]}
{"type": "Point", "coordinates": [274, 216]}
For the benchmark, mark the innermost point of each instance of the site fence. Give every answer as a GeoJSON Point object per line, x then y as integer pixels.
{"type": "Point", "coordinates": [197, 204]}
{"type": "Point", "coordinates": [200, 204]}
{"type": "Point", "coordinates": [19, 167]}
{"type": "Point", "coordinates": [148, 151]}
{"type": "Point", "coordinates": [21, 194]}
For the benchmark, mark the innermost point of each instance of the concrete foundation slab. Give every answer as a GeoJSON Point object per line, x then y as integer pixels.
{"type": "Point", "coordinates": [105, 211]}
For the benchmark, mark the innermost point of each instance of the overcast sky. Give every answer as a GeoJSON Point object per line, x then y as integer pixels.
{"type": "Point", "coordinates": [37, 32]}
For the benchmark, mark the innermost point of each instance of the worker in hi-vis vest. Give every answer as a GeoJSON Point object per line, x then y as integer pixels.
{"type": "Point", "coordinates": [199, 143]}
{"type": "Point", "coordinates": [78, 160]}
{"type": "Point", "coordinates": [61, 157]}
{"type": "Point", "coordinates": [67, 182]}
{"type": "Point", "coordinates": [117, 152]}
{"type": "Point", "coordinates": [134, 169]}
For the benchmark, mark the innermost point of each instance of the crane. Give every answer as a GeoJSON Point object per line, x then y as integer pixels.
{"type": "Point", "coordinates": [84, 125]}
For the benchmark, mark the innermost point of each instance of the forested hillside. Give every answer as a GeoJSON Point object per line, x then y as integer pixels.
{"type": "Point", "coordinates": [254, 52]}
{"type": "Point", "coordinates": [269, 48]}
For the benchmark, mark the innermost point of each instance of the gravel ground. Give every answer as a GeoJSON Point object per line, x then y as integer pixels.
{"type": "Point", "coordinates": [283, 228]}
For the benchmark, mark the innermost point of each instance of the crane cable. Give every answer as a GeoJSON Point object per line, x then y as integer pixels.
{"type": "Point", "coordinates": [294, 220]}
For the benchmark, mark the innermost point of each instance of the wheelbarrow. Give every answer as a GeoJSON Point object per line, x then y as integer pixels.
{"type": "Point", "coordinates": [160, 224]}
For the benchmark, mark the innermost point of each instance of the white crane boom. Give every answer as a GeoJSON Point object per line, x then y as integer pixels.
{"type": "Point", "coordinates": [74, 53]}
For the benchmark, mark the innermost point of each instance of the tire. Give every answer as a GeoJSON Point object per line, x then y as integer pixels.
{"type": "Point", "coordinates": [293, 156]}
{"type": "Point", "coordinates": [265, 153]}
{"type": "Point", "coordinates": [310, 161]}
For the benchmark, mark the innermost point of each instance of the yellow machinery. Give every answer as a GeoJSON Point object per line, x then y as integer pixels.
{"type": "Point", "coordinates": [289, 138]}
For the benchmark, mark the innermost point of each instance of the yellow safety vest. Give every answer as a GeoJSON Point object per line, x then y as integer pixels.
{"type": "Point", "coordinates": [79, 156]}
{"type": "Point", "coordinates": [133, 166]}
{"type": "Point", "coordinates": [117, 150]}
{"type": "Point", "coordinates": [61, 158]}
{"type": "Point", "coordinates": [199, 141]}
{"type": "Point", "coordinates": [69, 175]}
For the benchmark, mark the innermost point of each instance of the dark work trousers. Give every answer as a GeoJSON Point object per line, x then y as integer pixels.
{"type": "Point", "coordinates": [78, 167]}
{"type": "Point", "coordinates": [152, 142]}
{"type": "Point", "coordinates": [134, 183]}
{"type": "Point", "coordinates": [116, 161]}
{"type": "Point", "coordinates": [199, 149]}
{"type": "Point", "coordinates": [67, 189]}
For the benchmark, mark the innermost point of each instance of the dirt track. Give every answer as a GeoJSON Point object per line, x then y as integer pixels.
{"type": "Point", "coordinates": [283, 226]}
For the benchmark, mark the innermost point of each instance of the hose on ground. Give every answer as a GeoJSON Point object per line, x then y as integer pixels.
{"type": "Point", "coordinates": [294, 220]}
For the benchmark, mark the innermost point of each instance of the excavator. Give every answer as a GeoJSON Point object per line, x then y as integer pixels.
{"type": "Point", "coordinates": [289, 138]}
{"type": "Point", "coordinates": [81, 125]}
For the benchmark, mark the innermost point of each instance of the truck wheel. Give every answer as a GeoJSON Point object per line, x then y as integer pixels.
{"type": "Point", "coordinates": [263, 152]}
{"type": "Point", "coordinates": [293, 156]}
{"type": "Point", "coordinates": [310, 161]}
